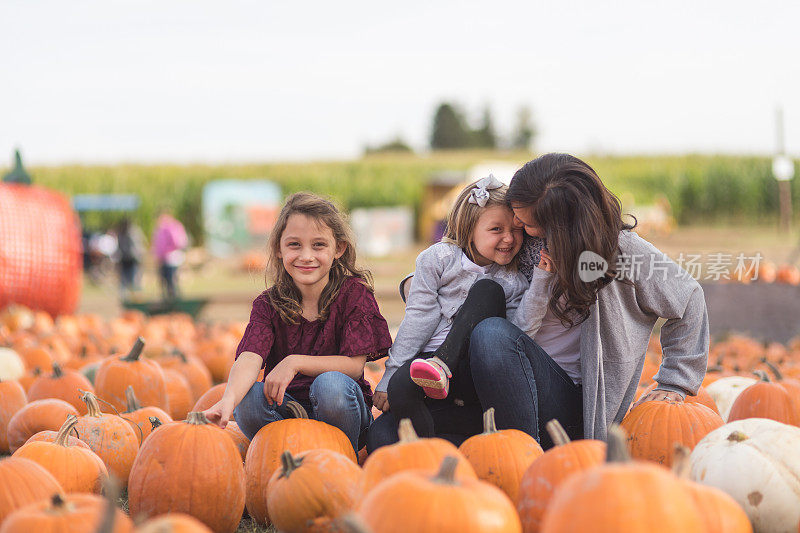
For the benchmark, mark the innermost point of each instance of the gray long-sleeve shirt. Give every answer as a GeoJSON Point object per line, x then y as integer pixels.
{"type": "Point", "coordinates": [438, 289]}
{"type": "Point", "coordinates": [614, 337]}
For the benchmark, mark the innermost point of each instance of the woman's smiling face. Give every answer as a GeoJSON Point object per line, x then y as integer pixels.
{"type": "Point", "coordinates": [522, 219]}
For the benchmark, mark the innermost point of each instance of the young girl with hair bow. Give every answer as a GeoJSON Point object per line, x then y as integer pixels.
{"type": "Point", "coordinates": [469, 276]}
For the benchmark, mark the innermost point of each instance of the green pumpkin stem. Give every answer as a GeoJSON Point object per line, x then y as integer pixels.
{"type": "Point", "coordinates": [132, 402]}
{"type": "Point", "coordinates": [62, 438]}
{"type": "Point", "coordinates": [290, 464]}
{"type": "Point", "coordinates": [557, 433]}
{"type": "Point", "coordinates": [447, 472]}
{"type": "Point", "coordinates": [136, 351]}
{"type": "Point", "coordinates": [489, 425]}
{"type": "Point", "coordinates": [197, 418]}
{"type": "Point", "coordinates": [763, 376]}
{"type": "Point", "coordinates": [773, 369]}
{"type": "Point", "coordinates": [737, 436]}
{"type": "Point", "coordinates": [154, 422]}
{"type": "Point", "coordinates": [405, 431]}
{"type": "Point", "coordinates": [617, 445]}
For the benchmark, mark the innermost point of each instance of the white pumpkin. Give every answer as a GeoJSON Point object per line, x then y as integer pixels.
{"type": "Point", "coordinates": [755, 461]}
{"type": "Point", "coordinates": [724, 391]}
{"type": "Point", "coordinates": [11, 365]}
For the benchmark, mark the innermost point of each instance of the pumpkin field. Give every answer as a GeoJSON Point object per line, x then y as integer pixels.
{"type": "Point", "coordinates": [85, 397]}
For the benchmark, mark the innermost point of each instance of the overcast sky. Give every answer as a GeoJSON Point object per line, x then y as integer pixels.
{"type": "Point", "coordinates": [233, 80]}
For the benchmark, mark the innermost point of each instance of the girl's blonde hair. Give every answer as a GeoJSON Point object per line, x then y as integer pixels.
{"type": "Point", "coordinates": [284, 294]}
{"type": "Point", "coordinates": [463, 217]}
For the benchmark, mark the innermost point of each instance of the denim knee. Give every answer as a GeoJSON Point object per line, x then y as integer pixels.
{"type": "Point", "coordinates": [490, 334]}
{"type": "Point", "coordinates": [333, 392]}
{"type": "Point", "coordinates": [253, 412]}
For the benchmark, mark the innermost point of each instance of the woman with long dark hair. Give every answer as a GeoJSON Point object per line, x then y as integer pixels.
{"type": "Point", "coordinates": [595, 296]}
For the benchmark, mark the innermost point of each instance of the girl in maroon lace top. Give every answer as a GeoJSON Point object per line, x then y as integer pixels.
{"type": "Point", "coordinates": [312, 331]}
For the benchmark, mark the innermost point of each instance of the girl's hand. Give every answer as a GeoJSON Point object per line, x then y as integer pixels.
{"type": "Point", "coordinates": [220, 412]}
{"type": "Point", "coordinates": [276, 381]}
{"type": "Point", "coordinates": [658, 395]}
{"type": "Point", "coordinates": [546, 262]}
{"type": "Point", "coordinates": [381, 401]}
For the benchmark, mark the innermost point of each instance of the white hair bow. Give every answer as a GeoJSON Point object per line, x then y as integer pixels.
{"type": "Point", "coordinates": [479, 194]}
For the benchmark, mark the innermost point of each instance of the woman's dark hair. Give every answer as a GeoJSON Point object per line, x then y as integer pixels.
{"type": "Point", "coordinates": [565, 197]}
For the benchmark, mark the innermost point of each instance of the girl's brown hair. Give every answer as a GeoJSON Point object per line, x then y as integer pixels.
{"type": "Point", "coordinates": [463, 217]}
{"type": "Point", "coordinates": [566, 198]}
{"type": "Point", "coordinates": [284, 294]}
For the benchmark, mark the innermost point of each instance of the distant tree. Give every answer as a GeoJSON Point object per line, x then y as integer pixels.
{"type": "Point", "coordinates": [485, 136]}
{"type": "Point", "coordinates": [395, 145]}
{"type": "Point", "coordinates": [449, 129]}
{"type": "Point", "coordinates": [524, 131]}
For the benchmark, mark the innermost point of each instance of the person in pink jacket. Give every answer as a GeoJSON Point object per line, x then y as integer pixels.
{"type": "Point", "coordinates": [169, 242]}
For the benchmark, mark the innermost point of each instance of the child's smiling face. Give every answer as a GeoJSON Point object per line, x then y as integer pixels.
{"type": "Point", "coordinates": [308, 249]}
{"type": "Point", "coordinates": [495, 238]}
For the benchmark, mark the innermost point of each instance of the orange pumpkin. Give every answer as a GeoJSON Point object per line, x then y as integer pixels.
{"type": "Point", "coordinates": [27, 380]}
{"type": "Point", "coordinates": [311, 485]}
{"type": "Point", "coordinates": [294, 435]}
{"type": "Point", "coordinates": [179, 393]}
{"type": "Point", "coordinates": [411, 453]}
{"type": "Point", "coordinates": [139, 417]}
{"type": "Point", "coordinates": [193, 454]}
{"type": "Point", "coordinates": [39, 415]}
{"type": "Point", "coordinates": [173, 523]}
{"type": "Point", "coordinates": [115, 374]}
{"type": "Point", "coordinates": [547, 473]}
{"type": "Point", "coordinates": [239, 439]}
{"type": "Point", "coordinates": [64, 384]}
{"type": "Point", "coordinates": [655, 426]}
{"type": "Point", "coordinates": [766, 399]}
{"type": "Point", "coordinates": [23, 482]}
{"type": "Point", "coordinates": [73, 513]}
{"type": "Point", "coordinates": [500, 457]}
{"type": "Point", "coordinates": [193, 369]}
{"type": "Point", "coordinates": [77, 469]}
{"type": "Point", "coordinates": [12, 399]}
{"type": "Point", "coordinates": [110, 437]}
{"type": "Point", "coordinates": [622, 495]}
{"type": "Point", "coordinates": [421, 501]}
{"type": "Point", "coordinates": [210, 397]}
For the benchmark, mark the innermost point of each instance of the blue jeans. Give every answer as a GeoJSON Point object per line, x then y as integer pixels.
{"type": "Point", "coordinates": [335, 398]}
{"type": "Point", "coordinates": [525, 386]}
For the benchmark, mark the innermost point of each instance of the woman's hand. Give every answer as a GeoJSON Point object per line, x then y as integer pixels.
{"type": "Point", "coordinates": [659, 395]}
{"type": "Point", "coordinates": [220, 412]}
{"type": "Point", "coordinates": [545, 261]}
{"type": "Point", "coordinates": [381, 401]}
{"type": "Point", "coordinates": [278, 379]}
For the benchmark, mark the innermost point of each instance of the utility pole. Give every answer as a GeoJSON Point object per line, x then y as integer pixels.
{"type": "Point", "coordinates": [783, 170]}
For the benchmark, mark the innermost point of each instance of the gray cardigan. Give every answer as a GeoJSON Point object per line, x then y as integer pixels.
{"type": "Point", "coordinates": [438, 288]}
{"type": "Point", "coordinates": [614, 337]}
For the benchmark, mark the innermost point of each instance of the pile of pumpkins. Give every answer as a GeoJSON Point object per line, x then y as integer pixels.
{"type": "Point", "coordinates": [724, 460]}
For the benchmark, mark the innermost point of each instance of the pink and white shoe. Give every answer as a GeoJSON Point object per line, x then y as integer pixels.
{"type": "Point", "coordinates": [433, 376]}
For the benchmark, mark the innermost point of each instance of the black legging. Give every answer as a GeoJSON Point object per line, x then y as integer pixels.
{"type": "Point", "coordinates": [406, 399]}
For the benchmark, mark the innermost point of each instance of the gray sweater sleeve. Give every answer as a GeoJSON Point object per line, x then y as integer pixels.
{"type": "Point", "coordinates": [664, 289]}
{"type": "Point", "coordinates": [422, 314]}
{"type": "Point", "coordinates": [530, 313]}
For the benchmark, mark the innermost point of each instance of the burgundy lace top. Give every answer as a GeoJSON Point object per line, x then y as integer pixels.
{"type": "Point", "coordinates": [354, 326]}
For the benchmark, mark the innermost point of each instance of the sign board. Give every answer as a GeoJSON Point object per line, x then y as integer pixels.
{"type": "Point", "coordinates": [782, 168]}
{"type": "Point", "coordinates": [380, 231]}
{"type": "Point", "coordinates": [239, 214]}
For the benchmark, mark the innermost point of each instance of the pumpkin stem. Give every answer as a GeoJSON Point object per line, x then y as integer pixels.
{"type": "Point", "coordinates": [178, 353]}
{"type": "Point", "coordinates": [155, 422]}
{"type": "Point", "coordinates": [447, 472]}
{"type": "Point", "coordinates": [136, 351]}
{"type": "Point", "coordinates": [737, 436]}
{"type": "Point", "coordinates": [289, 463]}
{"type": "Point", "coordinates": [92, 406]}
{"type": "Point", "coordinates": [57, 372]}
{"type": "Point", "coordinates": [66, 428]}
{"type": "Point", "coordinates": [681, 465]}
{"type": "Point", "coordinates": [405, 430]}
{"type": "Point", "coordinates": [763, 376]}
{"type": "Point", "coordinates": [557, 433]}
{"type": "Point", "coordinates": [489, 425]}
{"type": "Point", "coordinates": [57, 501]}
{"type": "Point", "coordinates": [773, 369]}
{"type": "Point", "coordinates": [132, 402]}
{"type": "Point", "coordinates": [197, 418]}
{"type": "Point", "coordinates": [617, 449]}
